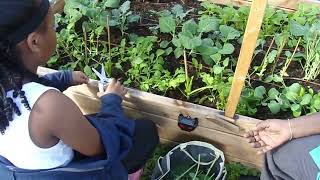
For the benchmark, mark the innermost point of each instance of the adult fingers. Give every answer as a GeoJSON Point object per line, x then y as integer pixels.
{"type": "Point", "coordinates": [248, 134]}
{"type": "Point", "coordinates": [262, 125]}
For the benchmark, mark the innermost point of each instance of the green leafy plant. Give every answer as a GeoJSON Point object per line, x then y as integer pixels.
{"type": "Point", "coordinates": [312, 64]}
{"type": "Point", "coordinates": [122, 17]}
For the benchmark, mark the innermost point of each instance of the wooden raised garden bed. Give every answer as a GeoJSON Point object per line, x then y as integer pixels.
{"type": "Point", "coordinates": [225, 133]}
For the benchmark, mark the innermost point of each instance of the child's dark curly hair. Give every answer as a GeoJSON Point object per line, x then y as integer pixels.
{"type": "Point", "coordinates": [12, 70]}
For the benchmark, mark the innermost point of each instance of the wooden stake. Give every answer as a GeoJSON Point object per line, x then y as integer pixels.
{"type": "Point", "coordinates": [185, 64]}
{"type": "Point", "coordinates": [249, 43]}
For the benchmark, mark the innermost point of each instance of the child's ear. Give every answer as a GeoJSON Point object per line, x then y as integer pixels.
{"type": "Point", "coordinates": [33, 42]}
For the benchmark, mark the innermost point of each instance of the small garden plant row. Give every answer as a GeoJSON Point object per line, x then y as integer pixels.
{"type": "Point", "coordinates": [190, 51]}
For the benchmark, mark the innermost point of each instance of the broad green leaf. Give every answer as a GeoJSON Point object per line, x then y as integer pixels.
{"type": "Point", "coordinates": [274, 107]}
{"type": "Point", "coordinates": [227, 49]}
{"type": "Point", "coordinates": [168, 51]}
{"type": "Point", "coordinates": [125, 7]}
{"type": "Point", "coordinates": [164, 44]}
{"type": "Point", "coordinates": [225, 62]}
{"type": "Point", "coordinates": [176, 41]}
{"type": "Point", "coordinates": [259, 92]}
{"type": "Point", "coordinates": [167, 24]}
{"type": "Point", "coordinates": [272, 56]}
{"type": "Point", "coordinates": [273, 93]}
{"type": "Point", "coordinates": [137, 60]}
{"type": "Point", "coordinates": [217, 69]}
{"type": "Point", "coordinates": [207, 24]}
{"type": "Point", "coordinates": [189, 28]}
{"type": "Point", "coordinates": [177, 9]}
{"type": "Point", "coordinates": [160, 52]}
{"type": "Point", "coordinates": [112, 3]}
{"type": "Point", "coordinates": [190, 43]}
{"type": "Point", "coordinates": [178, 52]}
{"type": "Point", "coordinates": [229, 33]}
{"type": "Point", "coordinates": [295, 87]}
{"type": "Point", "coordinates": [316, 102]}
{"type": "Point", "coordinates": [296, 110]}
{"type": "Point", "coordinates": [297, 29]}
{"type": "Point", "coordinates": [216, 57]}
{"type": "Point", "coordinates": [277, 78]}
{"type": "Point", "coordinates": [292, 96]}
{"type": "Point", "coordinates": [306, 99]}
{"type": "Point", "coordinates": [133, 18]}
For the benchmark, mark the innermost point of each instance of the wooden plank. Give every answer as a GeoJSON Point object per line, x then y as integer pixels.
{"type": "Point", "coordinates": [167, 107]}
{"type": "Point", "coordinates": [248, 46]}
{"type": "Point", "coordinates": [232, 145]}
{"type": "Point", "coordinates": [287, 5]}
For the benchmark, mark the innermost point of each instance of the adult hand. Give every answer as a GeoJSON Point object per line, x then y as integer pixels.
{"type": "Point", "coordinates": [268, 135]}
{"type": "Point", "coordinates": [79, 77]}
{"type": "Point", "coordinates": [115, 87]}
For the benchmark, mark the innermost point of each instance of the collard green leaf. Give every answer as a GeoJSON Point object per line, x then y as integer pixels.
{"type": "Point", "coordinates": [274, 107]}
{"type": "Point", "coordinates": [316, 102]}
{"type": "Point", "coordinates": [167, 24]}
{"type": "Point", "coordinates": [296, 110]}
{"type": "Point", "coordinates": [273, 93]}
{"type": "Point", "coordinates": [178, 52]}
{"type": "Point", "coordinates": [133, 18]}
{"type": "Point", "coordinates": [190, 43]}
{"type": "Point", "coordinates": [217, 69]}
{"type": "Point", "coordinates": [112, 3]}
{"type": "Point", "coordinates": [306, 99]}
{"type": "Point", "coordinates": [216, 57]}
{"type": "Point", "coordinates": [164, 44]}
{"type": "Point", "coordinates": [259, 92]}
{"type": "Point", "coordinates": [229, 33]}
{"type": "Point", "coordinates": [189, 28]}
{"type": "Point", "coordinates": [297, 29]}
{"type": "Point", "coordinates": [176, 41]}
{"type": "Point", "coordinates": [125, 7]}
{"type": "Point", "coordinates": [208, 24]}
{"type": "Point", "coordinates": [227, 49]}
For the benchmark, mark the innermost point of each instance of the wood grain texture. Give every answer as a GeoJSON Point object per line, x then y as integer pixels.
{"type": "Point", "coordinates": [288, 5]}
{"type": "Point", "coordinates": [234, 146]}
{"type": "Point", "coordinates": [248, 46]}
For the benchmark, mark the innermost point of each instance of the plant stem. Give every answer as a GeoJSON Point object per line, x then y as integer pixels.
{"type": "Point", "coordinates": [306, 81]}
{"type": "Point", "coordinates": [279, 54]}
{"type": "Point", "coordinates": [109, 38]}
{"type": "Point", "coordinates": [288, 61]}
{"type": "Point", "coordinates": [85, 43]}
{"type": "Point", "coordinates": [264, 63]}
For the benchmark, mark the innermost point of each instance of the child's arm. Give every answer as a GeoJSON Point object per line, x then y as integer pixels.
{"type": "Point", "coordinates": [64, 79]}
{"type": "Point", "coordinates": [115, 129]}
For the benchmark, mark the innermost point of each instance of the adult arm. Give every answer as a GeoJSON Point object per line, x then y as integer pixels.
{"type": "Point", "coordinates": [272, 133]}
{"type": "Point", "coordinates": [306, 125]}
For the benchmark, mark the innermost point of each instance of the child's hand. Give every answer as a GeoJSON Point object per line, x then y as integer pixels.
{"type": "Point", "coordinates": [115, 87]}
{"type": "Point", "coordinates": [79, 77]}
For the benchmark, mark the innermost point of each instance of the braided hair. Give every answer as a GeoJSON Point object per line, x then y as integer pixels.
{"type": "Point", "coordinates": [12, 70]}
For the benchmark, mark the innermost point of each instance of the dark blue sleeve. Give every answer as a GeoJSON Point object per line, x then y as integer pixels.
{"type": "Point", "coordinates": [60, 80]}
{"type": "Point", "coordinates": [115, 129]}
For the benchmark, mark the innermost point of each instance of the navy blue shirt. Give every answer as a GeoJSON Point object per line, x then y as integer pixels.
{"type": "Point", "coordinates": [116, 133]}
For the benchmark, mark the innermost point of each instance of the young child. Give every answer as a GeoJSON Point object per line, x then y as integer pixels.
{"type": "Point", "coordinates": [40, 127]}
